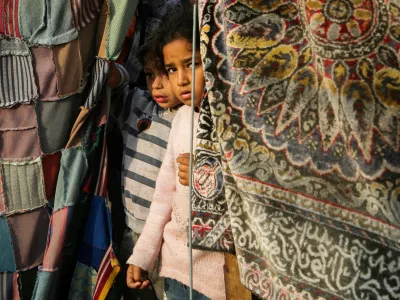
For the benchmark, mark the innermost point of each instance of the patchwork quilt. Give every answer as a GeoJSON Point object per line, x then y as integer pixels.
{"type": "Point", "coordinates": [55, 230]}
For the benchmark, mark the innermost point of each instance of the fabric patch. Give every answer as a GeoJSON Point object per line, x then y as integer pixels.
{"type": "Point", "coordinates": [44, 67]}
{"type": "Point", "coordinates": [73, 170]}
{"type": "Point", "coordinates": [68, 60]}
{"type": "Point", "coordinates": [13, 47]}
{"type": "Point", "coordinates": [83, 282]}
{"type": "Point", "coordinates": [50, 169]}
{"type": "Point", "coordinates": [99, 78]}
{"type": "Point", "coordinates": [83, 11]}
{"type": "Point", "coordinates": [23, 185]}
{"type": "Point", "coordinates": [19, 144]}
{"type": "Point", "coordinates": [17, 83]}
{"type": "Point", "coordinates": [7, 259]}
{"type": "Point", "coordinates": [55, 120]}
{"type": "Point", "coordinates": [101, 37]}
{"type": "Point", "coordinates": [58, 227]}
{"type": "Point", "coordinates": [108, 271]}
{"type": "Point", "coordinates": [9, 18]}
{"type": "Point", "coordinates": [87, 45]}
{"type": "Point", "coordinates": [29, 234]}
{"type": "Point", "coordinates": [18, 117]}
{"type": "Point", "coordinates": [101, 186]}
{"type": "Point", "coordinates": [45, 287]}
{"type": "Point", "coordinates": [80, 121]}
{"type": "Point", "coordinates": [9, 286]}
{"type": "Point", "coordinates": [121, 14]}
{"type": "Point", "coordinates": [97, 236]}
{"type": "Point", "coordinates": [46, 22]}
{"type": "Point", "coordinates": [18, 133]}
{"type": "Point", "coordinates": [2, 197]}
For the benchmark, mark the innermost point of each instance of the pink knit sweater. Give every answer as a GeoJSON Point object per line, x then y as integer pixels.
{"type": "Point", "coordinates": [167, 224]}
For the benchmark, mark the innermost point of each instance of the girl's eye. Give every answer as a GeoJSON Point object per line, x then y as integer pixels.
{"type": "Point", "coordinates": [171, 70]}
{"type": "Point", "coordinates": [196, 64]}
{"type": "Point", "coordinates": [149, 75]}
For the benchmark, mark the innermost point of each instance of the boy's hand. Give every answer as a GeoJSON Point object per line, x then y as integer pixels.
{"type": "Point", "coordinates": [114, 76]}
{"type": "Point", "coordinates": [184, 168]}
{"type": "Point", "coordinates": [137, 278]}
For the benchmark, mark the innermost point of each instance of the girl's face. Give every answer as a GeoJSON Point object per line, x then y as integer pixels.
{"type": "Point", "coordinates": [178, 63]}
{"type": "Point", "coordinates": [159, 86]}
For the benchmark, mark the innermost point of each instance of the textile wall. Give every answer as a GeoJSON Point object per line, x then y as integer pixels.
{"type": "Point", "coordinates": [299, 137]}
{"type": "Point", "coordinates": [55, 231]}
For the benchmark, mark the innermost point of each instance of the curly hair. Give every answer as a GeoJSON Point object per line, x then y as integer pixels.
{"type": "Point", "coordinates": [177, 25]}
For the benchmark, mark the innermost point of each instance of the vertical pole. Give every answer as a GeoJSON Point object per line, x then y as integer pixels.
{"type": "Point", "coordinates": [191, 148]}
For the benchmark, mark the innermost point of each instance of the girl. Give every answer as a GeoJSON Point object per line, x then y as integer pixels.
{"type": "Point", "coordinates": [167, 224]}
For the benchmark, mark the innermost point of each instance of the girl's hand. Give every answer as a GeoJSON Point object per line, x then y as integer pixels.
{"type": "Point", "coordinates": [114, 76]}
{"type": "Point", "coordinates": [184, 168]}
{"type": "Point", "coordinates": [137, 278]}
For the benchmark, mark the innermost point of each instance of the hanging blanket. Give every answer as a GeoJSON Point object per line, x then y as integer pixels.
{"type": "Point", "coordinates": [302, 118]}
{"type": "Point", "coordinates": [53, 160]}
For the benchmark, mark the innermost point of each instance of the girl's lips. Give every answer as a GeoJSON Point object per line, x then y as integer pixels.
{"type": "Point", "coordinates": [186, 96]}
{"type": "Point", "coordinates": [160, 99]}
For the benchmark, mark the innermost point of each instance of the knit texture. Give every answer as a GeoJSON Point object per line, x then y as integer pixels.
{"type": "Point", "coordinates": [46, 22]}
{"type": "Point", "coordinates": [166, 225]}
{"type": "Point", "coordinates": [121, 14]}
{"type": "Point", "coordinates": [17, 83]}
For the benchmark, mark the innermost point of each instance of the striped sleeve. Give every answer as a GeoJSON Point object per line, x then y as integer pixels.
{"type": "Point", "coordinates": [99, 78]}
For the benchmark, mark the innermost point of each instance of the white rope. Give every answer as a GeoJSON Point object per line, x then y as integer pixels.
{"type": "Point", "coordinates": [191, 148]}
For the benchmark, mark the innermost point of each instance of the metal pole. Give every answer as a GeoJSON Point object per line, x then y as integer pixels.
{"type": "Point", "coordinates": [191, 146]}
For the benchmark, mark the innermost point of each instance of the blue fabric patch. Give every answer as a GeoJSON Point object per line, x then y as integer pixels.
{"type": "Point", "coordinates": [7, 259]}
{"type": "Point", "coordinates": [45, 286]}
{"type": "Point", "coordinates": [73, 170]}
{"type": "Point", "coordinates": [97, 236]}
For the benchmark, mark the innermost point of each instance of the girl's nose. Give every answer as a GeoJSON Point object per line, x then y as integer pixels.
{"type": "Point", "coordinates": [157, 83]}
{"type": "Point", "coordinates": [183, 79]}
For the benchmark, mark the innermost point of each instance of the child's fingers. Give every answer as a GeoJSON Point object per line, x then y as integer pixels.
{"type": "Point", "coordinates": [137, 274]}
{"type": "Point", "coordinates": [183, 168]}
{"type": "Point", "coordinates": [145, 284]}
{"type": "Point", "coordinates": [183, 175]}
{"type": "Point", "coordinates": [184, 181]}
{"type": "Point", "coordinates": [183, 160]}
{"type": "Point", "coordinates": [130, 281]}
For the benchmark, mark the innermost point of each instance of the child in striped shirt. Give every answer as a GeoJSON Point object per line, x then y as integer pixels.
{"type": "Point", "coordinates": [148, 116]}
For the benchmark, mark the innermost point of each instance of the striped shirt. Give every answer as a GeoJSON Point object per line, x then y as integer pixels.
{"type": "Point", "coordinates": [145, 132]}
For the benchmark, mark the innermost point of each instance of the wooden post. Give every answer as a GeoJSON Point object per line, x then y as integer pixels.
{"type": "Point", "coordinates": [233, 287]}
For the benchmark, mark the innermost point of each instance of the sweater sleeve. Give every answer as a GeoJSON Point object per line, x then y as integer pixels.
{"type": "Point", "coordinates": [148, 246]}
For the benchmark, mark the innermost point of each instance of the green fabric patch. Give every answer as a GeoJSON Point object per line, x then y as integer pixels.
{"type": "Point", "coordinates": [46, 22]}
{"type": "Point", "coordinates": [73, 170]}
{"type": "Point", "coordinates": [23, 185]}
{"type": "Point", "coordinates": [45, 287]}
{"type": "Point", "coordinates": [55, 120]}
{"type": "Point", "coordinates": [120, 18]}
{"type": "Point", "coordinates": [7, 260]}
